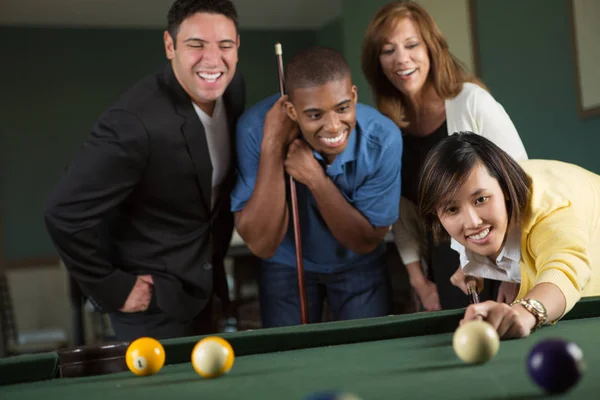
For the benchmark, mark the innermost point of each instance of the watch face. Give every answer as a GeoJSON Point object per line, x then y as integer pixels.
{"type": "Point", "coordinates": [537, 305]}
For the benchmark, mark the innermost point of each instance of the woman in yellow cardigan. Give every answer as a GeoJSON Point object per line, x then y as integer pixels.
{"type": "Point", "coordinates": [535, 223]}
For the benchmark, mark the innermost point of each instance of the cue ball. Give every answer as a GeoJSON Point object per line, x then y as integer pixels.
{"type": "Point", "coordinates": [145, 356]}
{"type": "Point", "coordinates": [555, 365]}
{"type": "Point", "coordinates": [476, 342]}
{"type": "Point", "coordinates": [212, 357]}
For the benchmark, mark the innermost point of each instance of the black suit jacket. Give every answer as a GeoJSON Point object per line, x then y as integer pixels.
{"type": "Point", "coordinates": [136, 200]}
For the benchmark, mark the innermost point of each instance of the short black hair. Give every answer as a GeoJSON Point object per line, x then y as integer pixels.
{"type": "Point", "coordinates": [315, 66]}
{"type": "Point", "coordinates": [182, 9]}
{"type": "Point", "coordinates": [448, 165]}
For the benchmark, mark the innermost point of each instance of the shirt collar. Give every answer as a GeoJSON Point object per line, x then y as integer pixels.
{"type": "Point", "coordinates": [512, 246]}
{"type": "Point", "coordinates": [216, 111]}
{"type": "Point", "coordinates": [348, 155]}
{"type": "Point", "coordinates": [511, 249]}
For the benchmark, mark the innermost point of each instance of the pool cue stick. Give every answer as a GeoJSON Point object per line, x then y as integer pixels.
{"type": "Point", "coordinates": [295, 218]}
{"type": "Point", "coordinates": [471, 283]}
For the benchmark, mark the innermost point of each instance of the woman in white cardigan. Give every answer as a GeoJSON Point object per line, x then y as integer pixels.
{"type": "Point", "coordinates": [419, 84]}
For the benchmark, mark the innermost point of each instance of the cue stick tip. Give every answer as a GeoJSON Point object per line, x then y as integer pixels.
{"type": "Point", "coordinates": [474, 296]}
{"type": "Point", "coordinates": [278, 50]}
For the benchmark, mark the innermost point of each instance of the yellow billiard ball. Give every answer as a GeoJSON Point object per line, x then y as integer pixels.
{"type": "Point", "coordinates": [476, 342]}
{"type": "Point", "coordinates": [212, 357]}
{"type": "Point", "coordinates": [145, 356]}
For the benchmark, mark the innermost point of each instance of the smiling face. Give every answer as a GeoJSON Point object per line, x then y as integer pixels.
{"type": "Point", "coordinates": [326, 115]}
{"type": "Point", "coordinates": [477, 217]}
{"type": "Point", "coordinates": [205, 57]}
{"type": "Point", "coordinates": [404, 57]}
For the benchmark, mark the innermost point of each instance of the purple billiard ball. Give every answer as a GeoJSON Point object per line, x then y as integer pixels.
{"type": "Point", "coordinates": [555, 365]}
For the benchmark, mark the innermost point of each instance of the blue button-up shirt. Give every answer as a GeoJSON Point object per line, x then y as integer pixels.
{"type": "Point", "coordinates": [367, 173]}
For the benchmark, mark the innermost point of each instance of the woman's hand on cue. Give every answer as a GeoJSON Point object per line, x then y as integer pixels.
{"type": "Point", "coordinates": [509, 322]}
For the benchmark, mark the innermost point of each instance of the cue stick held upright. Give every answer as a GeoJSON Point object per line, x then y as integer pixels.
{"type": "Point", "coordinates": [296, 219]}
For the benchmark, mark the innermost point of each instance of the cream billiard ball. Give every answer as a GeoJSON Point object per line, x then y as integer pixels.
{"type": "Point", "coordinates": [212, 357]}
{"type": "Point", "coordinates": [476, 342]}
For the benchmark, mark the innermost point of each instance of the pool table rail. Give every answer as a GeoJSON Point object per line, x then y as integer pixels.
{"type": "Point", "coordinates": [109, 358]}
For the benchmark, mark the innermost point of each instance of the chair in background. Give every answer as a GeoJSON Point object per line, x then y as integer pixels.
{"type": "Point", "coordinates": [13, 342]}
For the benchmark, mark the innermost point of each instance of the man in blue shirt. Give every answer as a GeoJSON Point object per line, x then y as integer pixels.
{"type": "Point", "coordinates": [346, 164]}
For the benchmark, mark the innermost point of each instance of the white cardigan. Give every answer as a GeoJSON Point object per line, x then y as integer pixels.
{"type": "Point", "coordinates": [475, 110]}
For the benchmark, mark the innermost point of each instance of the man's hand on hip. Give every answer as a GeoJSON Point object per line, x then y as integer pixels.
{"type": "Point", "coordinates": [140, 296]}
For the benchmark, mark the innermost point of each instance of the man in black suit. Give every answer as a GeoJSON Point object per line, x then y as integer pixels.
{"type": "Point", "coordinates": [141, 217]}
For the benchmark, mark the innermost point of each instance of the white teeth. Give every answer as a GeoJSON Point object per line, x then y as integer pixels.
{"type": "Point", "coordinates": [480, 235]}
{"type": "Point", "coordinates": [405, 72]}
{"type": "Point", "coordinates": [334, 139]}
{"type": "Point", "coordinates": [209, 77]}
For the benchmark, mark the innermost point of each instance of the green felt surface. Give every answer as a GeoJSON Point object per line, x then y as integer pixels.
{"type": "Point", "coordinates": [411, 367]}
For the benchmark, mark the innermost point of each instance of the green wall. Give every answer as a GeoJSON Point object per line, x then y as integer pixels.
{"type": "Point", "coordinates": [56, 81]}
{"type": "Point", "coordinates": [355, 16]}
{"type": "Point", "coordinates": [330, 35]}
{"type": "Point", "coordinates": [258, 62]}
{"type": "Point", "coordinates": [526, 60]}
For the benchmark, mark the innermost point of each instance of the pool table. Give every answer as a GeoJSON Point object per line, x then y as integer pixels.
{"type": "Point", "coordinates": [406, 356]}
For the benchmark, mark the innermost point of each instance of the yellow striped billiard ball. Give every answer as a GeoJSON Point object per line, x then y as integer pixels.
{"type": "Point", "coordinates": [145, 356]}
{"type": "Point", "coordinates": [212, 357]}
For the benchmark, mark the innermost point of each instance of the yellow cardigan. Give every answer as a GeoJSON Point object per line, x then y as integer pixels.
{"type": "Point", "coordinates": [560, 230]}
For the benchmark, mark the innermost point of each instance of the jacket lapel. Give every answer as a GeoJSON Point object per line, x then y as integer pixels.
{"type": "Point", "coordinates": [194, 135]}
{"type": "Point", "coordinates": [234, 100]}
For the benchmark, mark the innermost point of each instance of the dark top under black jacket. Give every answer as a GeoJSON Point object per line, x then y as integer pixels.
{"type": "Point", "coordinates": [136, 200]}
